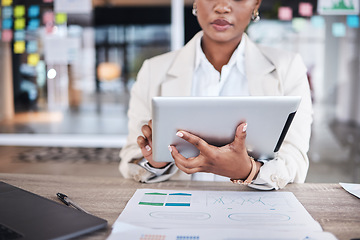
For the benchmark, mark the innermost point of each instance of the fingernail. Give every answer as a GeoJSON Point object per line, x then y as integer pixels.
{"type": "Point", "coordinates": [148, 148]}
{"type": "Point", "coordinates": [170, 149]}
{"type": "Point", "coordinates": [179, 134]}
{"type": "Point", "coordinates": [245, 127]}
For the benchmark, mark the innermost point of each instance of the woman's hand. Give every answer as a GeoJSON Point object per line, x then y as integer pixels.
{"type": "Point", "coordinates": [145, 144]}
{"type": "Point", "coordinates": [231, 160]}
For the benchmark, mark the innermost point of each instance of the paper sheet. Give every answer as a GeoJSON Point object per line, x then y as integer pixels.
{"type": "Point", "coordinates": [217, 209]}
{"type": "Point", "coordinates": [222, 215]}
{"type": "Point", "coordinates": [126, 231]}
{"type": "Point", "coordinates": [352, 188]}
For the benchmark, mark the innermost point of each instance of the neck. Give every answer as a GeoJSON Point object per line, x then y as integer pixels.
{"type": "Point", "coordinates": [218, 53]}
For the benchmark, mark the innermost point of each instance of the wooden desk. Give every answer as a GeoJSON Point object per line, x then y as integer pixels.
{"type": "Point", "coordinates": [335, 209]}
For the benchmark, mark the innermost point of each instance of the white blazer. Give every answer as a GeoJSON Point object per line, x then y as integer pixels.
{"type": "Point", "coordinates": [269, 71]}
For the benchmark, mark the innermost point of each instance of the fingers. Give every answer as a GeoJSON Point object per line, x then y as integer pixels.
{"type": "Point", "coordinates": [240, 136]}
{"type": "Point", "coordinates": [188, 166]}
{"type": "Point", "coordinates": [144, 146]}
{"type": "Point", "coordinates": [198, 142]}
{"type": "Point", "coordinates": [193, 164]}
{"type": "Point", "coordinates": [147, 132]}
{"type": "Point", "coordinates": [226, 161]}
{"type": "Point", "coordinates": [145, 142]}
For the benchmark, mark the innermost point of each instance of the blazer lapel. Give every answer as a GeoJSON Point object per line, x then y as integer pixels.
{"type": "Point", "coordinates": [179, 79]}
{"type": "Point", "coordinates": [259, 71]}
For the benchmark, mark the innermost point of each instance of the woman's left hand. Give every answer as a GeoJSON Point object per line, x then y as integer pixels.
{"type": "Point", "coordinates": [231, 160]}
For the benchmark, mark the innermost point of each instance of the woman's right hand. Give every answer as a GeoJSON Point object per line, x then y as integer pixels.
{"type": "Point", "coordinates": [145, 144]}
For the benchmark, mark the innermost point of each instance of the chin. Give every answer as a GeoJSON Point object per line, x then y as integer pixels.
{"type": "Point", "coordinates": [228, 35]}
{"type": "Point", "coordinates": [225, 38]}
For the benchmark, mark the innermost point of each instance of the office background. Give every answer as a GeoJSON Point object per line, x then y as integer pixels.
{"type": "Point", "coordinates": [66, 68]}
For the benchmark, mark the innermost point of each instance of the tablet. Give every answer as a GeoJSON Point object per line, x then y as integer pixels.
{"type": "Point", "coordinates": [26, 215]}
{"type": "Point", "coordinates": [215, 119]}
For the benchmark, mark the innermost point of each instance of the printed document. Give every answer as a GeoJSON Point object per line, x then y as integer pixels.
{"type": "Point", "coordinates": [127, 231]}
{"type": "Point", "coordinates": [174, 212]}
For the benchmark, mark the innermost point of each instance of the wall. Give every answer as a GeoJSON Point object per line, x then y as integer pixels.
{"type": "Point", "coordinates": [348, 85]}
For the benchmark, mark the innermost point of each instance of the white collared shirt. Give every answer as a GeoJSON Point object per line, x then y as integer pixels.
{"type": "Point", "coordinates": [207, 81]}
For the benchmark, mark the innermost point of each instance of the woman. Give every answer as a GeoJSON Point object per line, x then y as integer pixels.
{"type": "Point", "coordinates": [222, 61]}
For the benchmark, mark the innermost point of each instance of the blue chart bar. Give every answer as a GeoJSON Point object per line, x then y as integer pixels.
{"type": "Point", "coordinates": [187, 238]}
{"type": "Point", "coordinates": [180, 194]}
{"type": "Point", "coordinates": [178, 204]}
{"type": "Point", "coordinates": [178, 200]}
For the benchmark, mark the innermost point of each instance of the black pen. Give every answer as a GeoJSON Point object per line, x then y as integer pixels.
{"type": "Point", "coordinates": [65, 199]}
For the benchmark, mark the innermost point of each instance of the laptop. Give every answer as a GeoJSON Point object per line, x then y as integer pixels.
{"type": "Point", "coordinates": [25, 215]}
{"type": "Point", "coordinates": [215, 120]}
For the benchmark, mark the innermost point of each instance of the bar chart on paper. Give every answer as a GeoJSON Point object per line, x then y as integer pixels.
{"type": "Point", "coordinates": [164, 199]}
{"type": "Point", "coordinates": [216, 209]}
{"type": "Point", "coordinates": [195, 215]}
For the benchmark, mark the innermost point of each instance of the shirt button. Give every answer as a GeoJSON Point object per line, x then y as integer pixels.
{"type": "Point", "coordinates": [274, 177]}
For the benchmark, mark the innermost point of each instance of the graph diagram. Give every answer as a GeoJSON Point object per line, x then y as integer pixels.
{"type": "Point", "coordinates": [245, 200]}
{"type": "Point", "coordinates": [341, 7]}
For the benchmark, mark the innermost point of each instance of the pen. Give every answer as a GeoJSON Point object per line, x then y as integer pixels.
{"type": "Point", "coordinates": [65, 199]}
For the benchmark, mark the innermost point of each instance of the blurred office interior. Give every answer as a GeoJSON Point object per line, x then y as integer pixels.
{"type": "Point", "coordinates": [66, 69]}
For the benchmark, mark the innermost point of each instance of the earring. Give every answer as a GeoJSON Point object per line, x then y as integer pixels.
{"type": "Point", "coordinates": [194, 10]}
{"type": "Point", "coordinates": [255, 17]}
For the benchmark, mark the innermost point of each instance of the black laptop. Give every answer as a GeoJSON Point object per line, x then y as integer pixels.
{"type": "Point", "coordinates": [25, 215]}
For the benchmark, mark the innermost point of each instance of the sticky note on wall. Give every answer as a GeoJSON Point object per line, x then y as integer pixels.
{"type": "Point", "coordinates": [7, 35]}
{"type": "Point", "coordinates": [19, 47]}
{"type": "Point", "coordinates": [32, 47]}
{"type": "Point", "coordinates": [19, 35]}
{"type": "Point", "coordinates": [6, 2]}
{"type": "Point", "coordinates": [299, 24]}
{"type": "Point", "coordinates": [7, 12]}
{"type": "Point", "coordinates": [318, 21]}
{"type": "Point", "coordinates": [33, 59]}
{"type": "Point", "coordinates": [305, 9]}
{"type": "Point", "coordinates": [33, 11]}
{"type": "Point", "coordinates": [33, 24]}
{"type": "Point", "coordinates": [285, 13]}
{"type": "Point", "coordinates": [352, 21]}
{"type": "Point", "coordinates": [19, 23]}
{"type": "Point", "coordinates": [7, 23]}
{"type": "Point", "coordinates": [338, 29]}
{"type": "Point", "coordinates": [19, 11]}
{"type": "Point", "coordinates": [61, 18]}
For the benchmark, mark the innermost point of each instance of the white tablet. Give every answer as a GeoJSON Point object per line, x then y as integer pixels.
{"type": "Point", "coordinates": [215, 120]}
